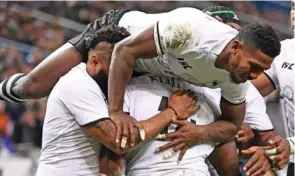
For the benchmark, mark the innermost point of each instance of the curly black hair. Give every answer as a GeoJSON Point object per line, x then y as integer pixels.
{"type": "Point", "coordinates": [261, 36]}
{"type": "Point", "coordinates": [110, 33]}
{"type": "Point", "coordinates": [225, 13]}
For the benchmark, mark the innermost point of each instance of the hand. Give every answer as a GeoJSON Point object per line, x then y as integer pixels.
{"type": "Point", "coordinates": [185, 137]}
{"type": "Point", "coordinates": [245, 134]}
{"type": "Point", "coordinates": [258, 164]}
{"type": "Point", "coordinates": [183, 103]}
{"type": "Point", "coordinates": [126, 126]}
{"type": "Point", "coordinates": [280, 151]}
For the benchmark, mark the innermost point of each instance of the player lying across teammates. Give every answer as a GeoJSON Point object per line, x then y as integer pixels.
{"type": "Point", "coordinates": [71, 114]}
{"type": "Point", "coordinates": [184, 48]}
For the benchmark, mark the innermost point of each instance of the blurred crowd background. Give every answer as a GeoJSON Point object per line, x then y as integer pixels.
{"type": "Point", "coordinates": [30, 31]}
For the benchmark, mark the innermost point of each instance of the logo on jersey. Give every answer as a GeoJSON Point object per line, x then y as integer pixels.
{"type": "Point", "coordinates": [288, 92]}
{"type": "Point", "coordinates": [288, 65]}
{"type": "Point", "coordinates": [163, 62]}
{"type": "Point", "coordinates": [184, 64]}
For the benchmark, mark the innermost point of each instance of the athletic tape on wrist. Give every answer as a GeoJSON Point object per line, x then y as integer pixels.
{"type": "Point", "coordinates": [292, 143]}
{"type": "Point", "coordinates": [6, 86]}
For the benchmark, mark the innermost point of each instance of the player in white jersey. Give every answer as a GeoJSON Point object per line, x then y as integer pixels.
{"type": "Point", "coordinates": [184, 43]}
{"type": "Point", "coordinates": [281, 76]}
{"type": "Point", "coordinates": [77, 122]}
{"type": "Point", "coordinates": [231, 52]}
{"type": "Point", "coordinates": [142, 104]}
{"type": "Point", "coordinates": [147, 96]}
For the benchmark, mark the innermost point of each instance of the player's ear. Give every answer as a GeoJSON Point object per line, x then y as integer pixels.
{"type": "Point", "coordinates": [94, 63]}
{"type": "Point", "coordinates": [218, 18]}
{"type": "Point", "coordinates": [236, 46]}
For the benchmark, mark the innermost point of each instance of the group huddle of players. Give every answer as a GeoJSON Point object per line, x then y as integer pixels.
{"type": "Point", "coordinates": [163, 94]}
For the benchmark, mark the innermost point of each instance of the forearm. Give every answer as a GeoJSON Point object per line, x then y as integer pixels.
{"type": "Point", "coordinates": [110, 163]}
{"type": "Point", "coordinates": [157, 123]}
{"type": "Point", "coordinates": [225, 152]}
{"type": "Point", "coordinates": [220, 131]}
{"type": "Point", "coordinates": [39, 82]}
{"type": "Point", "coordinates": [107, 130]}
{"type": "Point", "coordinates": [121, 68]}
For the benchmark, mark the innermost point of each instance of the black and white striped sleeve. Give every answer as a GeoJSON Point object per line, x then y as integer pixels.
{"type": "Point", "coordinates": [6, 93]}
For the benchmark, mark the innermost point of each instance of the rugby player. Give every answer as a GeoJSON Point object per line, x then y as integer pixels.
{"type": "Point", "coordinates": [225, 57]}
{"type": "Point", "coordinates": [77, 122]}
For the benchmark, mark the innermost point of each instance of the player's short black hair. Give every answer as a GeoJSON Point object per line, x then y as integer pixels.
{"type": "Point", "coordinates": [110, 33]}
{"type": "Point", "coordinates": [261, 36]}
{"type": "Point", "coordinates": [225, 13]}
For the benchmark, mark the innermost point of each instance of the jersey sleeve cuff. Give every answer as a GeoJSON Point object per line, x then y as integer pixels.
{"type": "Point", "coordinates": [272, 82]}
{"type": "Point", "coordinates": [157, 38]}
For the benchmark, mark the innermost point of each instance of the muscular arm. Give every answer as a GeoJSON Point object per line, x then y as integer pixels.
{"type": "Point", "coordinates": [123, 61]}
{"type": "Point", "coordinates": [263, 84]}
{"type": "Point", "coordinates": [105, 130]}
{"type": "Point", "coordinates": [227, 126]}
{"type": "Point", "coordinates": [39, 82]}
{"type": "Point", "coordinates": [225, 152]}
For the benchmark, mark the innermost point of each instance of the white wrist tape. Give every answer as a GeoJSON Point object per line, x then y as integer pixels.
{"type": "Point", "coordinates": [6, 93]}
{"type": "Point", "coordinates": [292, 144]}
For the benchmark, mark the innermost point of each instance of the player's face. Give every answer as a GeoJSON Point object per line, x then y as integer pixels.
{"type": "Point", "coordinates": [247, 63]}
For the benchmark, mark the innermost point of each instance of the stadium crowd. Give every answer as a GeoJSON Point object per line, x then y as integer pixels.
{"type": "Point", "coordinates": [23, 122]}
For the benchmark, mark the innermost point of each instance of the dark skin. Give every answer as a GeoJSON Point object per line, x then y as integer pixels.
{"type": "Point", "coordinates": [281, 158]}
{"type": "Point", "coordinates": [243, 61]}
{"type": "Point", "coordinates": [183, 102]}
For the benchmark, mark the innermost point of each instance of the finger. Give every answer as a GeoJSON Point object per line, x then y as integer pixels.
{"type": "Point", "coordinates": [168, 145]}
{"type": "Point", "coordinates": [125, 134]}
{"type": "Point", "coordinates": [254, 166]}
{"type": "Point", "coordinates": [271, 152]}
{"type": "Point", "coordinates": [241, 133]}
{"type": "Point", "coordinates": [194, 108]}
{"type": "Point", "coordinates": [262, 170]}
{"type": "Point", "coordinates": [123, 142]}
{"type": "Point", "coordinates": [167, 154]}
{"type": "Point", "coordinates": [249, 150]}
{"type": "Point", "coordinates": [242, 139]}
{"type": "Point", "coordinates": [250, 162]}
{"type": "Point", "coordinates": [178, 147]}
{"type": "Point", "coordinates": [179, 122]}
{"type": "Point", "coordinates": [172, 135]}
{"type": "Point", "coordinates": [281, 164]}
{"type": "Point", "coordinates": [160, 137]}
{"type": "Point", "coordinates": [119, 132]}
{"type": "Point", "coordinates": [275, 141]}
{"type": "Point", "coordinates": [132, 134]}
{"type": "Point", "coordinates": [181, 154]}
{"type": "Point", "coordinates": [141, 131]}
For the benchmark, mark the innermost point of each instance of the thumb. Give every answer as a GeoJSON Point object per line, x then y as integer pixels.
{"type": "Point", "coordinates": [250, 150]}
{"type": "Point", "coordinates": [178, 122]}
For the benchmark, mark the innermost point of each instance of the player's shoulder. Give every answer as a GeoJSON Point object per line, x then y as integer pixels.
{"type": "Point", "coordinates": [252, 93]}
{"type": "Point", "coordinates": [286, 55]}
{"type": "Point", "coordinates": [75, 81]}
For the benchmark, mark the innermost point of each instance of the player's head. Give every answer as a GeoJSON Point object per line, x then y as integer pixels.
{"type": "Point", "coordinates": [100, 45]}
{"type": "Point", "coordinates": [252, 51]}
{"type": "Point", "coordinates": [224, 14]}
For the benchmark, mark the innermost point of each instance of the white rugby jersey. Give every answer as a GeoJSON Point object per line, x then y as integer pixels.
{"type": "Point", "coordinates": [67, 149]}
{"type": "Point", "coordinates": [148, 95]}
{"type": "Point", "coordinates": [256, 116]}
{"type": "Point", "coordinates": [282, 74]}
{"type": "Point", "coordinates": [188, 42]}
